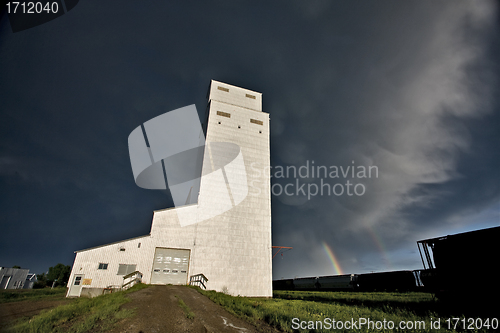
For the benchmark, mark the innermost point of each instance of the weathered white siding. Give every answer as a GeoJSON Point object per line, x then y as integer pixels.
{"type": "Point", "coordinates": [13, 278]}
{"type": "Point", "coordinates": [87, 261]}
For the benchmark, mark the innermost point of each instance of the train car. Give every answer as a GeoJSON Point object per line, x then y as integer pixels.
{"type": "Point", "coordinates": [449, 262]}
{"type": "Point", "coordinates": [337, 282]}
{"type": "Point", "coordinates": [387, 281]}
{"type": "Point", "coordinates": [283, 284]}
{"type": "Point", "coordinates": [309, 283]}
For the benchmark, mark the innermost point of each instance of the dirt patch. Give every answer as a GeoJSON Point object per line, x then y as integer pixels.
{"type": "Point", "coordinates": [157, 310]}
{"type": "Point", "coordinates": [10, 312]}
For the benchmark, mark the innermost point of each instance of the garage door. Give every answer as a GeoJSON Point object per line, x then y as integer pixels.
{"type": "Point", "coordinates": [170, 266]}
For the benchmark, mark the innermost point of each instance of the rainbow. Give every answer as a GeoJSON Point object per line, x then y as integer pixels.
{"type": "Point", "coordinates": [333, 259]}
{"type": "Point", "coordinates": [380, 246]}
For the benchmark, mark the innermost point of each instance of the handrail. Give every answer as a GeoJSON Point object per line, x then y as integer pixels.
{"type": "Point", "coordinates": [198, 278]}
{"type": "Point", "coordinates": [136, 277]}
{"type": "Point", "coordinates": [130, 274]}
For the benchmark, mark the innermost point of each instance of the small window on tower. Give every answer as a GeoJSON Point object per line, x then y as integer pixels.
{"type": "Point", "coordinates": [223, 89]}
{"type": "Point", "coordinates": [103, 266]}
{"type": "Point", "coordinates": [255, 121]}
{"type": "Point", "coordinates": [250, 96]}
{"type": "Point", "coordinates": [223, 114]}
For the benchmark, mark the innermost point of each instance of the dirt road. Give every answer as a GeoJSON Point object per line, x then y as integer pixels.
{"type": "Point", "coordinates": [9, 312]}
{"type": "Point", "coordinates": [158, 310]}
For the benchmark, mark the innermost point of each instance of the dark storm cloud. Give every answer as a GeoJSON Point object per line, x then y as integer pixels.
{"type": "Point", "coordinates": [408, 87]}
{"type": "Point", "coordinates": [409, 102]}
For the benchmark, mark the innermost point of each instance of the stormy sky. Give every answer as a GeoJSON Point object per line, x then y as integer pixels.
{"type": "Point", "coordinates": [409, 87]}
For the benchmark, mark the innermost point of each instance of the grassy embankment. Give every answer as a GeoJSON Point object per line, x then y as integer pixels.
{"type": "Point", "coordinates": [415, 309]}
{"type": "Point", "coordinates": [81, 315]}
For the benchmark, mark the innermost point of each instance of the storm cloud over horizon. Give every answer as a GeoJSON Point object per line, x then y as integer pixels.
{"type": "Point", "coordinates": [411, 88]}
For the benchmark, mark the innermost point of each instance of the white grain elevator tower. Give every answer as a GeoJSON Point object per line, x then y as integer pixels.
{"type": "Point", "coordinates": [233, 248]}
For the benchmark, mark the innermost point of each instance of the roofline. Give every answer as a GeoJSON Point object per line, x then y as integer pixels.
{"type": "Point", "coordinates": [232, 85]}
{"type": "Point", "coordinates": [170, 208]}
{"type": "Point", "coordinates": [431, 240]}
{"type": "Point", "coordinates": [239, 106]}
{"type": "Point", "coordinates": [125, 240]}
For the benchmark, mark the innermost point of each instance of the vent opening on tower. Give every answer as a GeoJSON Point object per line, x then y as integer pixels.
{"type": "Point", "coordinates": [255, 121]}
{"type": "Point", "coordinates": [250, 96]}
{"type": "Point", "coordinates": [223, 114]}
{"type": "Point", "coordinates": [223, 89]}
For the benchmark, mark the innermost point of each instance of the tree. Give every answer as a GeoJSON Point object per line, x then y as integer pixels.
{"type": "Point", "coordinates": [60, 274]}
{"type": "Point", "coordinates": [41, 281]}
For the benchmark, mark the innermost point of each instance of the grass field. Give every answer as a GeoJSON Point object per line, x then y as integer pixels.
{"type": "Point", "coordinates": [10, 295]}
{"type": "Point", "coordinates": [315, 311]}
{"type": "Point", "coordinates": [288, 311]}
{"type": "Point", "coordinates": [81, 315]}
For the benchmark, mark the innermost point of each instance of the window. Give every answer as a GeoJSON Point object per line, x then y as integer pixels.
{"type": "Point", "coordinates": [77, 280]}
{"type": "Point", "coordinates": [102, 266]}
{"type": "Point", "coordinates": [124, 269]}
{"type": "Point", "coordinates": [224, 114]}
{"type": "Point", "coordinates": [222, 88]}
{"type": "Point", "coordinates": [139, 245]}
{"type": "Point", "coordinates": [122, 249]}
{"type": "Point", "coordinates": [250, 96]}
{"type": "Point", "coordinates": [255, 121]}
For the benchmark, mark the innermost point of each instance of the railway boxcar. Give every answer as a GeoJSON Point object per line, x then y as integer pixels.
{"type": "Point", "coordinates": [444, 266]}
{"type": "Point", "coordinates": [283, 284]}
{"type": "Point", "coordinates": [309, 283]}
{"type": "Point", "coordinates": [387, 281]}
{"type": "Point", "coordinates": [337, 282]}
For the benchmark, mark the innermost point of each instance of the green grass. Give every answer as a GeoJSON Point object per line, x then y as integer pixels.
{"type": "Point", "coordinates": [81, 315]}
{"type": "Point", "coordinates": [32, 294]}
{"type": "Point", "coordinates": [420, 303]}
{"type": "Point", "coordinates": [314, 307]}
{"type": "Point", "coordinates": [187, 310]}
